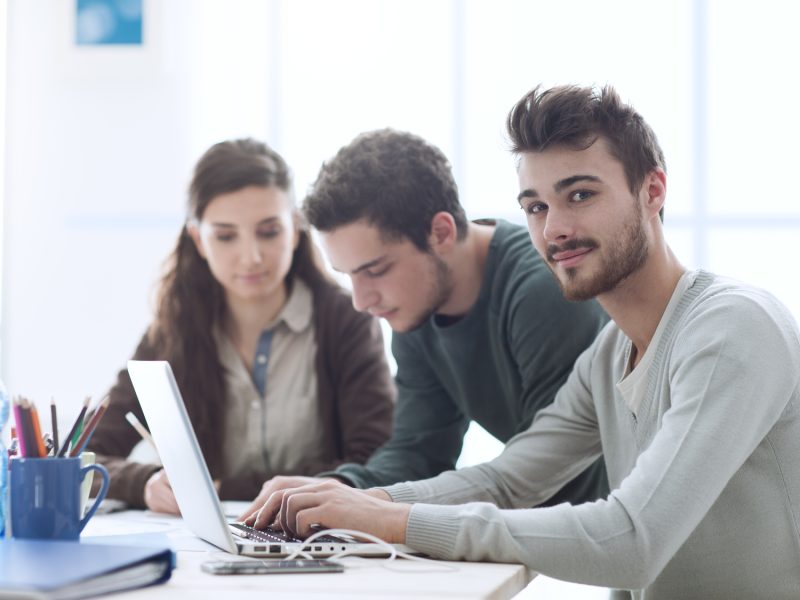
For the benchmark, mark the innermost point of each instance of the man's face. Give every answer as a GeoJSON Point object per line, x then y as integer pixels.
{"type": "Point", "coordinates": [583, 218]}
{"type": "Point", "coordinates": [393, 280]}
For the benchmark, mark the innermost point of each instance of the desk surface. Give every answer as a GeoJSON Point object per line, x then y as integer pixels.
{"type": "Point", "coordinates": [365, 578]}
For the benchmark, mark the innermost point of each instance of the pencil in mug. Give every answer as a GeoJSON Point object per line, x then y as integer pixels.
{"type": "Point", "coordinates": [31, 447]}
{"type": "Point", "coordinates": [54, 424]}
{"type": "Point", "coordinates": [23, 448]}
{"type": "Point", "coordinates": [77, 433]}
{"type": "Point", "coordinates": [74, 427]}
{"type": "Point", "coordinates": [90, 427]}
{"type": "Point", "coordinates": [37, 429]}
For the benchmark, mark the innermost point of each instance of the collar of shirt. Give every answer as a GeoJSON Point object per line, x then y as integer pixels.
{"type": "Point", "coordinates": [298, 310]}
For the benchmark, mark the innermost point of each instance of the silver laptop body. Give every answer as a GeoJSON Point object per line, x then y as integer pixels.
{"type": "Point", "coordinates": [191, 482]}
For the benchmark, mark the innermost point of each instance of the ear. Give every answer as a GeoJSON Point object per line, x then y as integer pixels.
{"type": "Point", "coordinates": [654, 190]}
{"type": "Point", "coordinates": [194, 233]}
{"type": "Point", "coordinates": [444, 233]}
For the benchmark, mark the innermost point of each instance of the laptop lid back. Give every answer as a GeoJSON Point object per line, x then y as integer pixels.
{"type": "Point", "coordinates": [179, 451]}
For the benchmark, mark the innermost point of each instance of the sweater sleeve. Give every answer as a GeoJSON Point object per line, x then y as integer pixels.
{"type": "Point", "coordinates": [428, 427]}
{"type": "Point", "coordinates": [114, 438]}
{"type": "Point", "coordinates": [712, 426]}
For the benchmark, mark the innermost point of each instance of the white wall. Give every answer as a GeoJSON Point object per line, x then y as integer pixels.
{"type": "Point", "coordinates": [100, 141]}
{"type": "Point", "coordinates": [92, 201]}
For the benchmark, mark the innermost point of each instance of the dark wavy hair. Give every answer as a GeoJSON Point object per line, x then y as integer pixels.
{"type": "Point", "coordinates": [575, 117]}
{"type": "Point", "coordinates": [190, 301]}
{"type": "Point", "coordinates": [394, 180]}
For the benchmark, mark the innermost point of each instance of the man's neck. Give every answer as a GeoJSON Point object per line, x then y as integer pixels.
{"type": "Point", "coordinates": [467, 264]}
{"type": "Point", "coordinates": [637, 304]}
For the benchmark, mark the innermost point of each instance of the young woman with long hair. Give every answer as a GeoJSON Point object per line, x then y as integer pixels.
{"type": "Point", "coordinates": [279, 373]}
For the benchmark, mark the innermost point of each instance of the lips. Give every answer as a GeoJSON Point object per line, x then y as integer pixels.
{"type": "Point", "coordinates": [382, 314]}
{"type": "Point", "coordinates": [252, 277]}
{"type": "Point", "coordinates": [572, 252]}
{"type": "Point", "coordinates": [559, 256]}
{"type": "Point", "coordinates": [569, 258]}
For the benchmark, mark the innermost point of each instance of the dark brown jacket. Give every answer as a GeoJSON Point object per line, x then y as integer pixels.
{"type": "Point", "coordinates": [355, 393]}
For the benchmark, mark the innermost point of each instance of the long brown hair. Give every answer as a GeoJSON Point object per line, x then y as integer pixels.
{"type": "Point", "coordinates": [190, 301]}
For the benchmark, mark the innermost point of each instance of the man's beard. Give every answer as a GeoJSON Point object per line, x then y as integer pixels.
{"type": "Point", "coordinates": [624, 256]}
{"type": "Point", "coordinates": [438, 295]}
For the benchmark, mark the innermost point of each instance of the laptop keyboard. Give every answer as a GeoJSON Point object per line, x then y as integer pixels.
{"type": "Point", "coordinates": [270, 535]}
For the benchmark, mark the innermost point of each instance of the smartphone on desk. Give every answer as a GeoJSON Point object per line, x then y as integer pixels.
{"type": "Point", "coordinates": [271, 567]}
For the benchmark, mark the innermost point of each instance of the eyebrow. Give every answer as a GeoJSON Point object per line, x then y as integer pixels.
{"type": "Point", "coordinates": [559, 185]}
{"type": "Point", "coordinates": [565, 183]}
{"type": "Point", "coordinates": [267, 221]}
{"type": "Point", "coordinates": [365, 266]}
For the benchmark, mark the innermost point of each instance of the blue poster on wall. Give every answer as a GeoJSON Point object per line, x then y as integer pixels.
{"type": "Point", "coordinates": [108, 22]}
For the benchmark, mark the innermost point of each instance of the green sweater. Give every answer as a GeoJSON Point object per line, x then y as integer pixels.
{"type": "Point", "coordinates": [705, 471]}
{"type": "Point", "coordinates": [498, 365]}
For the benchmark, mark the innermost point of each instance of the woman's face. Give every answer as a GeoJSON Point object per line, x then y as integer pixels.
{"type": "Point", "coordinates": [248, 237]}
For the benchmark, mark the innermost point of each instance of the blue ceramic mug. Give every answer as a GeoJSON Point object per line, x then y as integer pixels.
{"type": "Point", "coordinates": [46, 497]}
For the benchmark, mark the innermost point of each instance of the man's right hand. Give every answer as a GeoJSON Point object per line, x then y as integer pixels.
{"type": "Point", "coordinates": [331, 504]}
{"type": "Point", "coordinates": [276, 484]}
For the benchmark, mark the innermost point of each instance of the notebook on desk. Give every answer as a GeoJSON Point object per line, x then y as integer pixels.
{"type": "Point", "coordinates": [191, 482]}
{"type": "Point", "coordinates": [56, 569]}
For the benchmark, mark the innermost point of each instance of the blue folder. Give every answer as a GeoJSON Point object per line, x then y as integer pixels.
{"type": "Point", "coordinates": [57, 570]}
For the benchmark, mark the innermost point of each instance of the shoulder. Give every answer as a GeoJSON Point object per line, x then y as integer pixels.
{"type": "Point", "coordinates": [146, 349]}
{"type": "Point", "coordinates": [329, 293]}
{"type": "Point", "coordinates": [511, 244]}
{"type": "Point", "coordinates": [735, 319]}
{"type": "Point", "coordinates": [518, 269]}
{"type": "Point", "coordinates": [713, 297]}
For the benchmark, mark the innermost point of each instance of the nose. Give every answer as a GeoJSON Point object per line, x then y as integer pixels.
{"type": "Point", "coordinates": [558, 225]}
{"type": "Point", "coordinates": [252, 252]}
{"type": "Point", "coordinates": [364, 295]}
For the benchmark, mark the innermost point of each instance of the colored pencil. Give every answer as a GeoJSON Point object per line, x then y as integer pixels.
{"type": "Point", "coordinates": [90, 427]}
{"type": "Point", "coordinates": [140, 429]}
{"type": "Point", "coordinates": [37, 430]}
{"type": "Point", "coordinates": [31, 447]}
{"type": "Point", "coordinates": [77, 433]}
{"type": "Point", "coordinates": [74, 427]}
{"type": "Point", "coordinates": [54, 424]}
{"type": "Point", "coordinates": [23, 449]}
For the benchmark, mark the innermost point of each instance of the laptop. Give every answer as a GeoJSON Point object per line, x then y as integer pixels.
{"type": "Point", "coordinates": [191, 482]}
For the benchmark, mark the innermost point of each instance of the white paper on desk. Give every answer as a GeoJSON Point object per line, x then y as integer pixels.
{"type": "Point", "coordinates": [187, 541]}
{"type": "Point", "coordinates": [131, 521]}
{"type": "Point", "coordinates": [156, 539]}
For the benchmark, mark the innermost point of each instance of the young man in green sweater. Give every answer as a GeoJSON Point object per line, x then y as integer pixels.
{"type": "Point", "coordinates": [481, 331]}
{"type": "Point", "coordinates": [692, 394]}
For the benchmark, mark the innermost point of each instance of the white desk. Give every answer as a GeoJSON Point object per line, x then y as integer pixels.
{"type": "Point", "coordinates": [470, 580]}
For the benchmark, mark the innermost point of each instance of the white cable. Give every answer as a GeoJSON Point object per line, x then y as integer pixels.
{"type": "Point", "coordinates": [391, 550]}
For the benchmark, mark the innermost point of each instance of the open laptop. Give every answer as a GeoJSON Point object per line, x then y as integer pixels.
{"type": "Point", "coordinates": [191, 482]}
